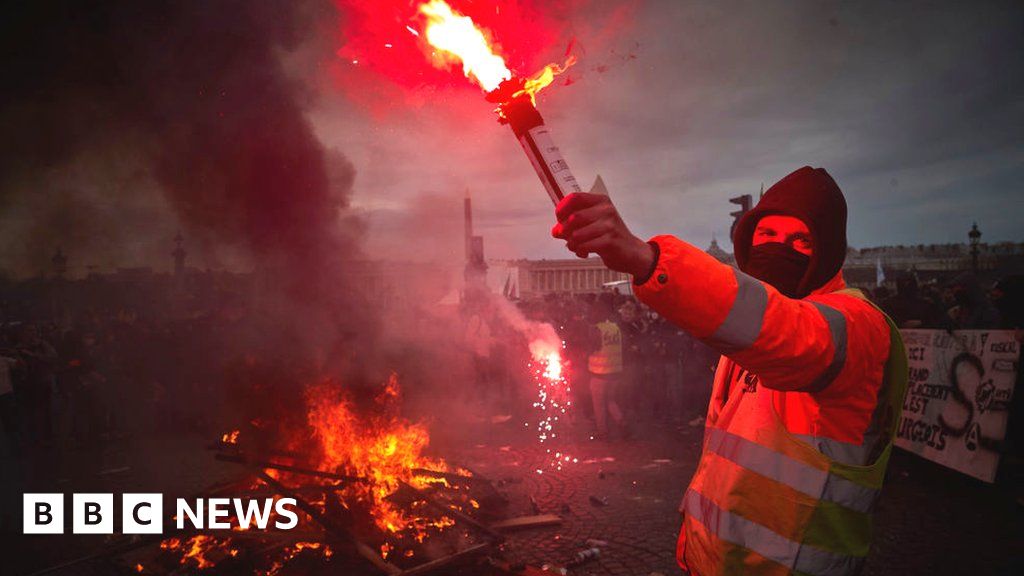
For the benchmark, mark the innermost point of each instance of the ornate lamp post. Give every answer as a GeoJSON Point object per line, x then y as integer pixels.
{"type": "Point", "coordinates": [975, 237]}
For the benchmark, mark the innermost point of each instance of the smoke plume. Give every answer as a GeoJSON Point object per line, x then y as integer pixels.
{"type": "Point", "coordinates": [126, 120]}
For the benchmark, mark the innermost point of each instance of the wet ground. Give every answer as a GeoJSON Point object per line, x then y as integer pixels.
{"type": "Point", "coordinates": [623, 494]}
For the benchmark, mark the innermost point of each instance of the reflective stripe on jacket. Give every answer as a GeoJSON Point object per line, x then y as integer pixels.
{"type": "Point", "coordinates": [780, 488]}
{"type": "Point", "coordinates": [608, 358]}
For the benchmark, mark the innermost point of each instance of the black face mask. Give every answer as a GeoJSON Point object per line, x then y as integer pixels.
{"type": "Point", "coordinates": [779, 265]}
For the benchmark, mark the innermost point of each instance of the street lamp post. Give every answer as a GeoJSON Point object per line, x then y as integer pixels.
{"type": "Point", "coordinates": [975, 237]}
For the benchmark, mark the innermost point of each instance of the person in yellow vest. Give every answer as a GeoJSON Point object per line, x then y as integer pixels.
{"type": "Point", "coordinates": [807, 393]}
{"type": "Point", "coordinates": [605, 368]}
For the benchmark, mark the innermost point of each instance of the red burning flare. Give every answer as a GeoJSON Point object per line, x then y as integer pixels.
{"type": "Point", "coordinates": [387, 37]}
{"type": "Point", "coordinates": [458, 39]}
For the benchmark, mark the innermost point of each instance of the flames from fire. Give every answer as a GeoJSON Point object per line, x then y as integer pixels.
{"type": "Point", "coordinates": [458, 39]}
{"type": "Point", "coordinates": [372, 443]}
{"type": "Point", "coordinates": [382, 448]}
{"type": "Point", "coordinates": [292, 551]}
{"type": "Point", "coordinates": [201, 550]}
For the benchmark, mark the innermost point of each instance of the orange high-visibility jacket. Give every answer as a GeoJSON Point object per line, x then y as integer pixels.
{"type": "Point", "coordinates": [800, 423]}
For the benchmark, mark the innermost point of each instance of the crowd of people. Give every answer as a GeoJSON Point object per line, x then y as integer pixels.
{"type": "Point", "coordinates": [629, 365]}
{"type": "Point", "coordinates": [65, 387]}
{"type": "Point", "coordinates": [623, 362]}
{"type": "Point", "coordinates": [961, 304]}
{"type": "Point", "coordinates": [62, 383]}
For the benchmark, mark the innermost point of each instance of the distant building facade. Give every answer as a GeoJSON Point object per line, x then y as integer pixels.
{"type": "Point", "coordinates": [533, 278]}
{"type": "Point", "coordinates": [928, 261]}
{"type": "Point", "coordinates": [940, 262]}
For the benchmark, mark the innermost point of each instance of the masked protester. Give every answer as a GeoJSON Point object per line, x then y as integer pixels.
{"type": "Point", "coordinates": [807, 392]}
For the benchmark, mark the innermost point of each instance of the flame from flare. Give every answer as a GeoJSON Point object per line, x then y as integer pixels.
{"type": "Point", "coordinates": [553, 367]}
{"type": "Point", "coordinates": [455, 34]}
{"type": "Point", "coordinates": [543, 79]}
{"type": "Point", "coordinates": [457, 37]}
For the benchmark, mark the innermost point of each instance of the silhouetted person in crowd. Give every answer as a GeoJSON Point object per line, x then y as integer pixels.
{"type": "Point", "coordinates": [39, 359]}
{"type": "Point", "coordinates": [881, 294]}
{"type": "Point", "coordinates": [972, 310]}
{"type": "Point", "coordinates": [666, 346]}
{"type": "Point", "coordinates": [910, 309]}
{"type": "Point", "coordinates": [1007, 296]}
{"type": "Point", "coordinates": [581, 340]}
{"type": "Point", "coordinates": [634, 390]}
{"type": "Point", "coordinates": [479, 339]}
{"type": "Point", "coordinates": [78, 381]}
{"type": "Point", "coordinates": [8, 404]}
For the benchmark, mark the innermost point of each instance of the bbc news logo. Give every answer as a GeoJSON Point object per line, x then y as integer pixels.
{"type": "Point", "coordinates": [143, 513]}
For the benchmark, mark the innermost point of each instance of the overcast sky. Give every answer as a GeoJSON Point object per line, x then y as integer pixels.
{"type": "Point", "coordinates": [126, 122]}
{"type": "Point", "coordinates": [915, 108]}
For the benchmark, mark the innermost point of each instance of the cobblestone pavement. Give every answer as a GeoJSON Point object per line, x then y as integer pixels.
{"type": "Point", "coordinates": [930, 520]}
{"type": "Point", "coordinates": [636, 487]}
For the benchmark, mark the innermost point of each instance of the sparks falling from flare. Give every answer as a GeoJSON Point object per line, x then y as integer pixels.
{"type": "Point", "coordinates": [552, 398]}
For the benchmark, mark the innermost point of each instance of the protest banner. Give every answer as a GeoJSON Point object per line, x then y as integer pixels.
{"type": "Point", "coordinates": [958, 398]}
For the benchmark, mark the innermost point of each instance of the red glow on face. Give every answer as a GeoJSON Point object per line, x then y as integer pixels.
{"type": "Point", "coordinates": [785, 229]}
{"type": "Point", "coordinates": [381, 37]}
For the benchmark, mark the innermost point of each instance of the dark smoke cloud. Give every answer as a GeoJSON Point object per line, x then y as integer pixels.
{"type": "Point", "coordinates": [124, 120]}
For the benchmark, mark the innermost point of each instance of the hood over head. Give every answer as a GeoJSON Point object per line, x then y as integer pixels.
{"type": "Point", "coordinates": [811, 195]}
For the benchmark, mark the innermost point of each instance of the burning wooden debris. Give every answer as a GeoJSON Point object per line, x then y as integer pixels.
{"type": "Point", "coordinates": [367, 498]}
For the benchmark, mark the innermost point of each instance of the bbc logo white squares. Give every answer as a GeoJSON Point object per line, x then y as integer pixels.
{"type": "Point", "coordinates": [92, 513]}
{"type": "Point", "coordinates": [43, 514]}
{"type": "Point", "coordinates": [142, 513]}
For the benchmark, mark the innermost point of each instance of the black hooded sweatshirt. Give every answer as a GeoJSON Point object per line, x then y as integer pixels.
{"type": "Point", "coordinates": [811, 195]}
